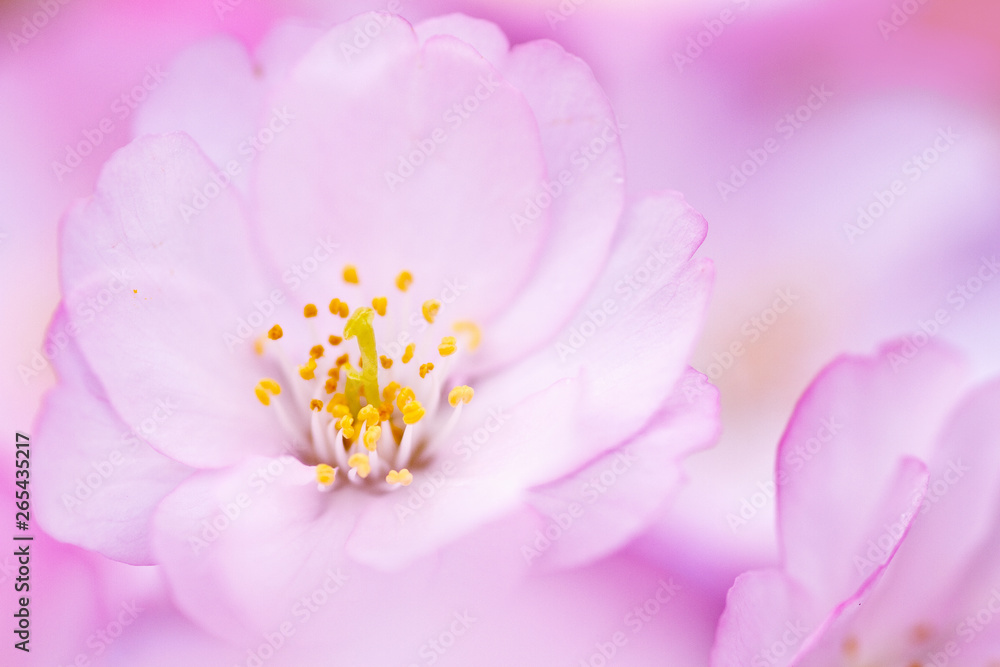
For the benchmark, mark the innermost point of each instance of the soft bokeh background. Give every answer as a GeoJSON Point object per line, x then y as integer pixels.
{"type": "Point", "coordinates": [699, 88]}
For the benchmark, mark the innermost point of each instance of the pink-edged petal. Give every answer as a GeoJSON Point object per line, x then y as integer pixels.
{"type": "Point", "coordinates": [100, 480]}
{"type": "Point", "coordinates": [486, 37]}
{"type": "Point", "coordinates": [839, 460]}
{"type": "Point", "coordinates": [365, 112]}
{"type": "Point", "coordinates": [951, 528]}
{"type": "Point", "coordinates": [156, 297]}
{"type": "Point", "coordinates": [213, 94]}
{"type": "Point", "coordinates": [613, 498]}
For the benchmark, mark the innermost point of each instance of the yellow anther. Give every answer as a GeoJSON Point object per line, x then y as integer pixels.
{"type": "Point", "coordinates": [408, 352]}
{"type": "Point", "coordinates": [310, 310]}
{"type": "Point", "coordinates": [461, 394]}
{"type": "Point", "coordinates": [346, 425]}
{"type": "Point", "coordinates": [338, 307]}
{"type": "Point", "coordinates": [447, 346]}
{"type": "Point", "coordinates": [258, 346]}
{"type": "Point", "coordinates": [325, 474]}
{"type": "Point", "coordinates": [404, 397]}
{"type": "Point", "coordinates": [372, 434]}
{"type": "Point", "coordinates": [385, 361]}
{"type": "Point", "coordinates": [316, 404]}
{"type": "Point", "coordinates": [472, 330]}
{"type": "Point", "coordinates": [331, 385]}
{"type": "Point", "coordinates": [379, 303]}
{"type": "Point", "coordinates": [316, 352]}
{"type": "Point", "coordinates": [338, 399]}
{"type": "Point", "coordinates": [390, 391]}
{"type": "Point", "coordinates": [335, 340]}
{"type": "Point", "coordinates": [265, 388]}
{"type": "Point", "coordinates": [275, 333]}
{"type": "Point", "coordinates": [402, 477]}
{"type": "Point", "coordinates": [430, 309]}
{"type": "Point", "coordinates": [361, 464]}
{"type": "Point", "coordinates": [308, 372]}
{"type": "Point", "coordinates": [338, 410]}
{"type": "Point", "coordinates": [385, 412]}
{"type": "Point", "coordinates": [351, 274]}
{"type": "Point", "coordinates": [404, 280]}
{"type": "Point", "coordinates": [369, 415]}
{"type": "Point", "coordinates": [342, 359]}
{"type": "Point", "coordinates": [413, 412]}
{"type": "Point", "coordinates": [425, 369]}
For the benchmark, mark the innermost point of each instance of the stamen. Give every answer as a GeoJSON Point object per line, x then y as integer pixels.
{"type": "Point", "coordinates": [342, 360]}
{"type": "Point", "coordinates": [316, 404]}
{"type": "Point", "coordinates": [471, 329]}
{"type": "Point", "coordinates": [404, 280]}
{"type": "Point", "coordinates": [335, 340]}
{"type": "Point", "coordinates": [338, 307]}
{"type": "Point", "coordinates": [460, 394]}
{"type": "Point", "coordinates": [346, 426]}
{"type": "Point", "coordinates": [447, 346]}
{"type": "Point", "coordinates": [402, 477]}
{"type": "Point", "coordinates": [316, 352]}
{"type": "Point", "coordinates": [430, 309]}
{"type": "Point", "coordinates": [389, 393]}
{"type": "Point", "coordinates": [369, 415]}
{"type": "Point", "coordinates": [264, 388]}
{"type": "Point", "coordinates": [310, 310]}
{"type": "Point", "coordinates": [385, 361]}
{"type": "Point", "coordinates": [408, 352]}
{"type": "Point", "coordinates": [258, 346]}
{"type": "Point", "coordinates": [360, 464]}
{"type": "Point", "coordinates": [372, 434]}
{"type": "Point", "coordinates": [275, 333]}
{"type": "Point", "coordinates": [325, 476]}
{"type": "Point", "coordinates": [379, 303]}
{"type": "Point", "coordinates": [404, 397]}
{"type": "Point", "coordinates": [351, 274]}
{"type": "Point", "coordinates": [425, 369]}
{"type": "Point", "coordinates": [338, 410]}
{"type": "Point", "coordinates": [413, 412]}
{"type": "Point", "coordinates": [308, 372]}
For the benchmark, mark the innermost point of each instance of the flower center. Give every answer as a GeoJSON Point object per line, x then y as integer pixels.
{"type": "Point", "coordinates": [374, 421]}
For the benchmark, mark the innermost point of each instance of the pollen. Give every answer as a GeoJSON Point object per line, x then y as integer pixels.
{"type": "Point", "coordinates": [470, 329]}
{"type": "Point", "coordinates": [402, 477]}
{"type": "Point", "coordinates": [346, 425]}
{"type": "Point", "coordinates": [316, 352]}
{"type": "Point", "coordinates": [413, 412]}
{"type": "Point", "coordinates": [404, 397]}
{"type": "Point", "coordinates": [404, 280]}
{"type": "Point", "coordinates": [447, 346]}
{"type": "Point", "coordinates": [338, 410]}
{"type": "Point", "coordinates": [461, 394]}
{"type": "Point", "coordinates": [310, 310]}
{"type": "Point", "coordinates": [316, 404]}
{"type": "Point", "coordinates": [369, 415]}
{"type": "Point", "coordinates": [379, 303]}
{"type": "Point", "coordinates": [390, 391]}
{"type": "Point", "coordinates": [425, 369]}
{"type": "Point", "coordinates": [331, 384]}
{"type": "Point", "coordinates": [308, 372]}
{"type": "Point", "coordinates": [430, 309]}
{"type": "Point", "coordinates": [325, 475]}
{"type": "Point", "coordinates": [360, 464]}
{"type": "Point", "coordinates": [408, 352]}
{"type": "Point", "coordinates": [372, 434]}
{"type": "Point", "coordinates": [385, 361]}
{"type": "Point", "coordinates": [265, 388]}
{"type": "Point", "coordinates": [351, 274]}
{"type": "Point", "coordinates": [342, 359]}
{"type": "Point", "coordinates": [385, 412]}
{"type": "Point", "coordinates": [335, 340]}
{"type": "Point", "coordinates": [275, 333]}
{"type": "Point", "coordinates": [338, 307]}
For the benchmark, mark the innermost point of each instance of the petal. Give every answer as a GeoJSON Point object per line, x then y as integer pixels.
{"type": "Point", "coordinates": [159, 297]}
{"type": "Point", "coordinates": [486, 37]}
{"type": "Point", "coordinates": [100, 480]}
{"type": "Point", "coordinates": [840, 454]}
{"type": "Point", "coordinates": [613, 498]}
{"type": "Point", "coordinates": [412, 157]}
